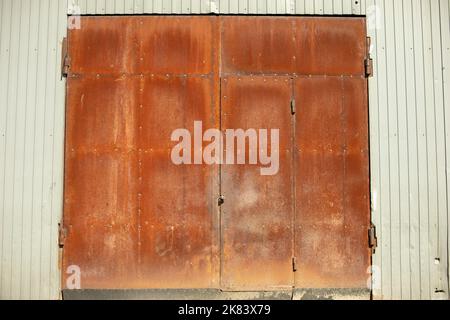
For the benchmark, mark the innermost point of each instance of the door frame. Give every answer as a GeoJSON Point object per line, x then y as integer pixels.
{"type": "Point", "coordinates": [192, 293]}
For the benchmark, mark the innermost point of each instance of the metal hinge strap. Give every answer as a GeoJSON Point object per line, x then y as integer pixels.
{"type": "Point", "coordinates": [368, 62]}
{"type": "Point", "coordinates": [65, 59]}
{"type": "Point", "coordinates": [373, 241]}
{"type": "Point", "coordinates": [62, 234]}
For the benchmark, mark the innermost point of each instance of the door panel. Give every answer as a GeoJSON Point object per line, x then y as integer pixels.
{"type": "Point", "coordinates": [258, 210]}
{"type": "Point", "coordinates": [133, 218]}
{"type": "Point", "coordinates": [258, 44]}
{"type": "Point", "coordinates": [331, 46]}
{"type": "Point", "coordinates": [104, 45]}
{"type": "Point", "coordinates": [176, 205]}
{"type": "Point", "coordinates": [165, 45]}
{"type": "Point", "coordinates": [100, 186]}
{"type": "Point", "coordinates": [178, 45]}
{"type": "Point", "coordinates": [296, 46]}
{"type": "Point", "coordinates": [332, 183]}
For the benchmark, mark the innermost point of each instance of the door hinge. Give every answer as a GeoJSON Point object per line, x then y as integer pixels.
{"type": "Point", "coordinates": [293, 108]}
{"type": "Point", "coordinates": [373, 241]}
{"type": "Point", "coordinates": [65, 59]}
{"type": "Point", "coordinates": [294, 264]}
{"type": "Point", "coordinates": [62, 234]}
{"type": "Point", "coordinates": [368, 62]}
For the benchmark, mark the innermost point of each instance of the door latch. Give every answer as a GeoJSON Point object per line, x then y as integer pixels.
{"type": "Point", "coordinates": [221, 200]}
{"type": "Point", "coordinates": [293, 108]}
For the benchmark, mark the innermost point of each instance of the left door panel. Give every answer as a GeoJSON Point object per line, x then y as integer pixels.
{"type": "Point", "coordinates": [131, 218]}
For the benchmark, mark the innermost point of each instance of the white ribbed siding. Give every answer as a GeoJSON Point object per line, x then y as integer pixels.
{"type": "Point", "coordinates": [409, 101]}
{"type": "Point", "coordinates": [31, 147]}
{"type": "Point", "coordinates": [216, 6]}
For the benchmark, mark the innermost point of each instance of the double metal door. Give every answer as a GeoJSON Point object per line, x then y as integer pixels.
{"type": "Point", "coordinates": [134, 219]}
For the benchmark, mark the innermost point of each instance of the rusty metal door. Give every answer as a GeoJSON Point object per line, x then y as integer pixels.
{"type": "Point", "coordinates": [307, 226]}
{"type": "Point", "coordinates": [257, 215]}
{"type": "Point", "coordinates": [332, 183]}
{"type": "Point", "coordinates": [133, 218]}
{"type": "Point", "coordinates": [332, 155]}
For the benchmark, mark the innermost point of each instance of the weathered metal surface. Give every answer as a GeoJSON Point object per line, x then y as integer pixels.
{"type": "Point", "coordinates": [301, 45]}
{"type": "Point", "coordinates": [332, 294]}
{"type": "Point", "coordinates": [176, 206]}
{"type": "Point", "coordinates": [258, 210]}
{"type": "Point", "coordinates": [179, 294]}
{"type": "Point", "coordinates": [181, 45]}
{"type": "Point", "coordinates": [100, 213]}
{"type": "Point", "coordinates": [173, 45]}
{"type": "Point", "coordinates": [332, 183]}
{"type": "Point", "coordinates": [134, 219]}
{"type": "Point", "coordinates": [330, 46]}
{"type": "Point", "coordinates": [258, 45]}
{"type": "Point", "coordinates": [104, 45]}
{"type": "Point", "coordinates": [217, 294]}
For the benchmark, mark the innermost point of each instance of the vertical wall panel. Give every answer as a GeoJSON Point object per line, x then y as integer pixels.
{"type": "Point", "coordinates": [8, 51]}
{"type": "Point", "coordinates": [402, 121]}
{"type": "Point", "coordinates": [441, 254]}
{"type": "Point", "coordinates": [430, 133]}
{"type": "Point", "coordinates": [32, 135]}
{"type": "Point", "coordinates": [444, 7]}
{"type": "Point", "coordinates": [410, 154]}
{"type": "Point", "coordinates": [444, 10]}
{"type": "Point", "coordinates": [412, 213]}
{"type": "Point", "coordinates": [392, 147]}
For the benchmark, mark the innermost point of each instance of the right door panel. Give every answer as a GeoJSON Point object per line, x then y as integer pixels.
{"type": "Point", "coordinates": [257, 215]}
{"type": "Point", "coordinates": [332, 182]}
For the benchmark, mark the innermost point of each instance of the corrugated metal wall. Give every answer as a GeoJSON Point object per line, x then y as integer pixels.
{"type": "Point", "coordinates": [31, 146]}
{"type": "Point", "coordinates": [217, 6]}
{"type": "Point", "coordinates": [409, 123]}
